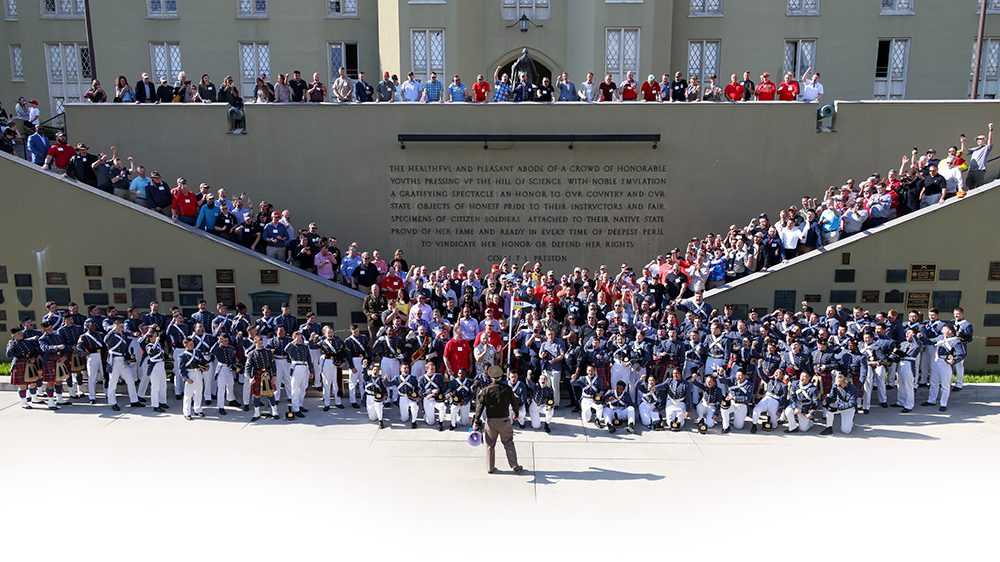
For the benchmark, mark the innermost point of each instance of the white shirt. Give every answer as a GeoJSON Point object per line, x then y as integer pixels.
{"type": "Point", "coordinates": [33, 114]}
{"type": "Point", "coordinates": [410, 90]}
{"type": "Point", "coordinates": [586, 91]}
{"type": "Point", "coordinates": [953, 177]}
{"type": "Point", "coordinates": [790, 237]}
{"type": "Point", "coordinates": [811, 90]}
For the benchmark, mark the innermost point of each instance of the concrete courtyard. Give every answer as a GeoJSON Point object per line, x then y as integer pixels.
{"type": "Point", "coordinates": [923, 470]}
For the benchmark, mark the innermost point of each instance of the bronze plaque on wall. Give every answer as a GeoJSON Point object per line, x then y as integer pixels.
{"type": "Point", "coordinates": [992, 342]}
{"type": "Point", "coordinates": [869, 296]}
{"type": "Point", "coordinates": [121, 298]}
{"type": "Point", "coordinates": [93, 270]}
{"type": "Point", "coordinates": [994, 271]}
{"type": "Point", "coordinates": [225, 276]}
{"type": "Point", "coordinates": [918, 299]}
{"type": "Point", "coordinates": [167, 283]}
{"type": "Point", "coordinates": [226, 295]}
{"type": "Point", "coordinates": [303, 299]}
{"type": "Point", "coordinates": [269, 276]}
{"type": "Point", "coordinates": [55, 278]}
{"type": "Point", "coordinates": [167, 296]}
{"type": "Point", "coordinates": [812, 297]}
{"type": "Point", "coordinates": [304, 310]}
{"type": "Point", "coordinates": [922, 273]}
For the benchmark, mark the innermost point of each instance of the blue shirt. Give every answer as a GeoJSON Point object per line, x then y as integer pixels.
{"type": "Point", "coordinates": [138, 186]}
{"type": "Point", "coordinates": [457, 92]}
{"type": "Point", "coordinates": [434, 90]}
{"type": "Point", "coordinates": [276, 232]}
{"type": "Point", "coordinates": [350, 264]}
{"type": "Point", "coordinates": [207, 216]}
{"type": "Point", "coordinates": [502, 91]}
{"type": "Point", "coordinates": [567, 91]}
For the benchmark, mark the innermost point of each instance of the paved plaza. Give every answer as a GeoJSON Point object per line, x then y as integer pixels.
{"type": "Point", "coordinates": [924, 470]}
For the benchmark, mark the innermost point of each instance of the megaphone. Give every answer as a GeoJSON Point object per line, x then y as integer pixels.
{"type": "Point", "coordinates": [475, 438]}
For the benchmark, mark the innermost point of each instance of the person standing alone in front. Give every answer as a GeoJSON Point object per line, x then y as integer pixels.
{"type": "Point", "coordinates": [498, 400]}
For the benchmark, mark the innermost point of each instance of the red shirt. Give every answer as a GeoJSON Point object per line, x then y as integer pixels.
{"type": "Point", "coordinates": [735, 92]}
{"type": "Point", "coordinates": [392, 283]}
{"type": "Point", "coordinates": [649, 90]}
{"type": "Point", "coordinates": [185, 203]}
{"type": "Point", "coordinates": [630, 91]}
{"type": "Point", "coordinates": [480, 91]}
{"type": "Point", "coordinates": [787, 91]}
{"type": "Point", "coordinates": [494, 338]}
{"type": "Point", "coordinates": [765, 91]}
{"type": "Point", "coordinates": [457, 355]}
{"type": "Point", "coordinates": [61, 153]}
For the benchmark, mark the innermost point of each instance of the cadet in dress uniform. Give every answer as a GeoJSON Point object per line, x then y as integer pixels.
{"type": "Point", "coordinates": [312, 331]}
{"type": "Point", "coordinates": [718, 348]}
{"type": "Point", "coordinates": [592, 396]}
{"type": "Point", "coordinates": [676, 393]}
{"type": "Point", "coordinates": [775, 399]}
{"type": "Point", "coordinates": [710, 403]}
{"type": "Point", "coordinates": [842, 400]}
{"type": "Point", "coordinates": [357, 353]}
{"type": "Point", "coordinates": [177, 331]}
{"type": "Point", "coordinates": [203, 342]}
{"type": "Point", "coordinates": [695, 355]}
{"type": "Point", "coordinates": [803, 399]}
{"type": "Point", "coordinates": [156, 369]}
{"type": "Point", "coordinates": [388, 350]}
{"type": "Point", "coordinates": [542, 404]}
{"type": "Point", "coordinates": [265, 326]}
{"type": "Point", "coordinates": [259, 370]}
{"type": "Point", "coordinates": [521, 393]}
{"type": "Point", "coordinates": [194, 365]}
{"type": "Point", "coordinates": [433, 388]}
{"type": "Point", "coordinates": [224, 357]}
{"type": "Point", "coordinates": [300, 365]}
{"type": "Point", "coordinates": [421, 345]}
{"type": "Point", "coordinates": [876, 353]}
{"type": "Point", "coordinates": [949, 351]}
{"type": "Point", "coordinates": [52, 317]}
{"type": "Point", "coordinates": [90, 345]}
{"type": "Point", "coordinates": [618, 406]}
{"type": "Point", "coordinates": [739, 397]}
{"type": "Point", "coordinates": [332, 355]}
{"type": "Point", "coordinates": [282, 374]}
{"type": "Point", "coordinates": [70, 333]}
{"type": "Point", "coordinates": [375, 395]}
{"type": "Point", "coordinates": [407, 388]}
{"type": "Point", "coordinates": [932, 329]}
{"type": "Point", "coordinates": [55, 364]}
{"type": "Point", "coordinates": [963, 331]}
{"type": "Point", "coordinates": [908, 353]}
{"type": "Point", "coordinates": [286, 320]}
{"type": "Point", "coordinates": [21, 353]}
{"type": "Point", "coordinates": [119, 351]}
{"type": "Point", "coordinates": [621, 360]}
{"type": "Point", "coordinates": [459, 397]}
{"type": "Point", "coordinates": [649, 403]}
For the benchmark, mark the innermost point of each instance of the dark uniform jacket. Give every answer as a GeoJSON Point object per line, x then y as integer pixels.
{"type": "Point", "coordinates": [497, 399]}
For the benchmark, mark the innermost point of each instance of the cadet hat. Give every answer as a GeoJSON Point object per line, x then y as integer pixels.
{"type": "Point", "coordinates": [495, 372]}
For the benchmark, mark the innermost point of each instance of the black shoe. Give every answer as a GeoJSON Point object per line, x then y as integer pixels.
{"type": "Point", "coordinates": [890, 387]}
{"type": "Point", "coordinates": [796, 430]}
{"type": "Point", "coordinates": [518, 469]}
{"type": "Point", "coordinates": [246, 408]}
{"type": "Point", "coordinates": [753, 428]}
{"type": "Point", "coordinates": [884, 404]}
{"type": "Point", "coordinates": [381, 424]}
{"type": "Point", "coordinates": [178, 397]}
{"type": "Point", "coordinates": [452, 428]}
{"type": "Point", "coordinates": [304, 410]}
{"type": "Point", "coordinates": [92, 401]}
{"type": "Point", "coordinates": [726, 430]}
{"type": "Point", "coordinates": [547, 428]}
{"type": "Point", "coordinates": [233, 403]}
{"type": "Point", "coordinates": [413, 425]}
{"type": "Point", "coordinates": [355, 405]}
{"type": "Point", "coordinates": [576, 410]}
{"type": "Point", "coordinates": [611, 429]}
{"type": "Point", "coordinates": [158, 410]}
{"type": "Point", "coordinates": [905, 410]}
{"type": "Point", "coordinates": [897, 405]}
{"type": "Point", "coordinates": [491, 471]}
{"type": "Point", "coordinates": [187, 418]}
{"type": "Point", "coordinates": [630, 428]}
{"type": "Point", "coordinates": [923, 385]}
{"type": "Point", "coordinates": [53, 407]}
{"type": "Point", "coordinates": [200, 414]}
{"type": "Point", "coordinates": [926, 403]}
{"type": "Point", "coordinates": [520, 424]}
{"type": "Point", "coordinates": [943, 409]}
{"type": "Point", "coordinates": [649, 427]}
{"type": "Point", "coordinates": [865, 412]}
{"type": "Point", "coordinates": [440, 426]}
{"type": "Point", "coordinates": [116, 408]}
{"type": "Point", "coordinates": [298, 414]}
{"type": "Point", "coordinates": [956, 388]}
{"type": "Point", "coordinates": [340, 406]}
{"type": "Point", "coordinates": [164, 406]}
{"type": "Point", "coordinates": [600, 423]}
{"type": "Point", "coordinates": [136, 405]}
{"type": "Point", "coordinates": [222, 411]}
{"type": "Point", "coordinates": [255, 418]}
{"type": "Point", "coordinates": [827, 431]}
{"type": "Point", "coordinates": [326, 408]}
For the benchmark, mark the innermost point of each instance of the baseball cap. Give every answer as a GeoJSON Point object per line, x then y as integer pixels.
{"type": "Point", "coordinates": [276, 215]}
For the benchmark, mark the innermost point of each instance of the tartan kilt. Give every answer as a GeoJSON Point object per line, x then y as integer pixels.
{"type": "Point", "coordinates": [604, 371]}
{"type": "Point", "coordinates": [17, 373]}
{"type": "Point", "coordinates": [49, 370]}
{"type": "Point", "coordinates": [255, 386]}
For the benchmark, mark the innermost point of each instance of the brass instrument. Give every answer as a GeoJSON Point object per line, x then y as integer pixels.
{"type": "Point", "coordinates": [266, 384]}
{"type": "Point", "coordinates": [31, 374]}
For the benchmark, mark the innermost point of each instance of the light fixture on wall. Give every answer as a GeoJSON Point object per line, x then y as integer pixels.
{"type": "Point", "coordinates": [523, 22]}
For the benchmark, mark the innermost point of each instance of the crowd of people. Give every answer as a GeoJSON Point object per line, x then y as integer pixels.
{"type": "Point", "coordinates": [573, 341]}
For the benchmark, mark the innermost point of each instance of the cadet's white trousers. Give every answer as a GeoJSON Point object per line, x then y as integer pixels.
{"type": "Point", "coordinates": [739, 413]}
{"type": "Point", "coordinates": [797, 421]}
{"type": "Point", "coordinates": [539, 414]}
{"type": "Point", "coordinates": [846, 419]}
{"type": "Point", "coordinates": [589, 408]}
{"type": "Point", "coordinates": [648, 413]}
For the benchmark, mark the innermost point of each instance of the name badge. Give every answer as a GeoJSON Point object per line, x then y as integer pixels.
{"type": "Point", "coordinates": [459, 348]}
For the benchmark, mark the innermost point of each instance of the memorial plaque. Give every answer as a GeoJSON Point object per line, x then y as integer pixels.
{"type": "Point", "coordinates": [304, 310]}
{"type": "Point", "coordinates": [59, 295]}
{"type": "Point", "coordinates": [949, 275]}
{"type": "Point", "coordinates": [269, 276]}
{"type": "Point", "coordinates": [994, 271]}
{"type": "Point", "coordinates": [326, 309]}
{"type": "Point", "coordinates": [843, 276]}
{"type": "Point", "coordinates": [3, 314]}
{"type": "Point", "coordinates": [56, 278]}
{"type": "Point", "coordinates": [785, 300]}
{"type": "Point", "coordinates": [843, 297]}
{"type": "Point", "coordinates": [23, 315]}
{"type": "Point", "coordinates": [166, 282]}
{"type": "Point", "coordinates": [3, 274]}
{"type": "Point", "coordinates": [946, 301]}
{"type": "Point", "coordinates": [991, 320]}
{"type": "Point", "coordinates": [922, 273]}
{"type": "Point", "coordinates": [869, 296]}
{"type": "Point", "coordinates": [845, 258]}
{"type": "Point", "coordinates": [894, 297]}
{"type": "Point", "coordinates": [96, 299]}
{"type": "Point", "coordinates": [226, 295]}
{"type": "Point", "coordinates": [167, 296]}
{"type": "Point", "coordinates": [992, 359]}
{"type": "Point", "coordinates": [273, 299]}
{"type": "Point", "coordinates": [992, 297]}
{"type": "Point", "coordinates": [121, 298]}
{"type": "Point", "coordinates": [303, 299]}
{"type": "Point", "coordinates": [93, 270]}
{"type": "Point", "coordinates": [142, 296]}
{"type": "Point", "coordinates": [918, 300]}
{"type": "Point", "coordinates": [142, 275]}
{"type": "Point", "coordinates": [225, 276]}
{"type": "Point", "coordinates": [190, 299]}
{"type": "Point", "coordinates": [22, 279]}
{"type": "Point", "coordinates": [992, 342]}
{"type": "Point", "coordinates": [117, 282]}
{"type": "Point", "coordinates": [812, 297]}
{"type": "Point", "coordinates": [190, 283]}
{"type": "Point", "coordinates": [94, 284]}
{"type": "Point", "coordinates": [895, 276]}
